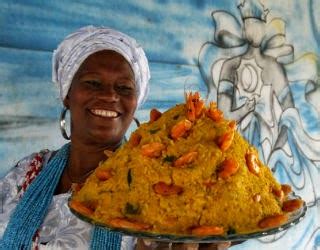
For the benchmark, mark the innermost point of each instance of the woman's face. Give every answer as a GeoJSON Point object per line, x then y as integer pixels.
{"type": "Point", "coordinates": [102, 99]}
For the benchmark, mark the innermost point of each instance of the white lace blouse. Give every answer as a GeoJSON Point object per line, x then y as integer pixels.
{"type": "Point", "coordinates": [60, 228]}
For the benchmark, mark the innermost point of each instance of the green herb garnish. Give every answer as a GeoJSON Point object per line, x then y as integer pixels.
{"type": "Point", "coordinates": [131, 209]}
{"type": "Point", "coordinates": [231, 231]}
{"type": "Point", "coordinates": [129, 177]}
{"type": "Point", "coordinates": [169, 158]}
{"type": "Point", "coordinates": [153, 131]}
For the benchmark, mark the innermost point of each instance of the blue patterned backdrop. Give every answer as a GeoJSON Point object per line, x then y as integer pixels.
{"type": "Point", "coordinates": [188, 43]}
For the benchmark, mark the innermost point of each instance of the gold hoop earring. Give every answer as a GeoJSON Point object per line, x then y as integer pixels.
{"type": "Point", "coordinates": [62, 123]}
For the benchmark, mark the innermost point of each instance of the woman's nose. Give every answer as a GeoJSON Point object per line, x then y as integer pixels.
{"type": "Point", "coordinates": [108, 93]}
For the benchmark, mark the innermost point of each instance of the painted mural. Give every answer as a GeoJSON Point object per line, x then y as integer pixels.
{"type": "Point", "coordinates": [259, 60]}
{"type": "Point", "coordinates": [266, 88]}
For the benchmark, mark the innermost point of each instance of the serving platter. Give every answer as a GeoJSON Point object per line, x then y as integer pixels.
{"type": "Point", "coordinates": [293, 219]}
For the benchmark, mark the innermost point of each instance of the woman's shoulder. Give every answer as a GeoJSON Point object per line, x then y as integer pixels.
{"type": "Point", "coordinates": [27, 163]}
{"type": "Point", "coordinates": [12, 184]}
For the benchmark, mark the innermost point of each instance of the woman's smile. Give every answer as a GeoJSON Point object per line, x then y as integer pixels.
{"type": "Point", "coordinates": [104, 113]}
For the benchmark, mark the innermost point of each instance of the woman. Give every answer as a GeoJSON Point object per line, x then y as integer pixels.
{"type": "Point", "coordinates": [103, 77]}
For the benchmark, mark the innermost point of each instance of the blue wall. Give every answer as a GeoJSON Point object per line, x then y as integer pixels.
{"type": "Point", "coordinates": [178, 37]}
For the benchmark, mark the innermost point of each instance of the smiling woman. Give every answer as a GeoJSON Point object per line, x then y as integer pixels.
{"type": "Point", "coordinates": [103, 77]}
{"type": "Point", "coordinates": [102, 100]}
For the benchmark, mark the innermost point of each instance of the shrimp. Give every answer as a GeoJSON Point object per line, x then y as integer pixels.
{"type": "Point", "coordinates": [134, 140]}
{"type": "Point", "coordinates": [104, 174]}
{"type": "Point", "coordinates": [129, 224]}
{"type": "Point", "coordinates": [153, 149]}
{"type": "Point", "coordinates": [273, 221]}
{"type": "Point", "coordinates": [194, 105]}
{"type": "Point", "coordinates": [287, 189]}
{"type": "Point", "coordinates": [155, 115]}
{"type": "Point", "coordinates": [228, 167]}
{"type": "Point", "coordinates": [164, 189]}
{"type": "Point", "coordinates": [80, 208]}
{"type": "Point", "coordinates": [207, 230]}
{"type": "Point", "coordinates": [185, 159]}
{"type": "Point", "coordinates": [191, 111]}
{"type": "Point", "coordinates": [279, 194]}
{"type": "Point", "coordinates": [214, 113]}
{"type": "Point", "coordinates": [252, 161]}
{"type": "Point", "coordinates": [198, 104]}
{"type": "Point", "coordinates": [224, 142]}
{"type": "Point", "coordinates": [180, 129]}
{"type": "Point", "coordinates": [292, 205]}
{"type": "Point", "coordinates": [233, 125]}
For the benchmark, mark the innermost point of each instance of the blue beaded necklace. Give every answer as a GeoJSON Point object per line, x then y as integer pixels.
{"type": "Point", "coordinates": [32, 208]}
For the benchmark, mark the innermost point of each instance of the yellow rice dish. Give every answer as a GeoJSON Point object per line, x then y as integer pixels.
{"type": "Point", "coordinates": [185, 172]}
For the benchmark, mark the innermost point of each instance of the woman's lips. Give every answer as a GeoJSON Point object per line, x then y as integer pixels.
{"type": "Point", "coordinates": [104, 113]}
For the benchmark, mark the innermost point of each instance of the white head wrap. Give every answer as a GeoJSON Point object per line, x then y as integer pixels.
{"type": "Point", "coordinates": [76, 47]}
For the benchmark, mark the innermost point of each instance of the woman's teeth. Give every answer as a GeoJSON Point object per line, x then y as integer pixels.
{"type": "Point", "coordinates": [104, 113]}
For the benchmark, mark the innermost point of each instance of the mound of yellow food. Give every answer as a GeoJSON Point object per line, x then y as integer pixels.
{"type": "Point", "coordinates": [186, 171]}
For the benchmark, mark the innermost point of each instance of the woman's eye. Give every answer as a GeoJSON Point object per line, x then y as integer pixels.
{"type": "Point", "coordinates": [125, 89]}
{"type": "Point", "coordinates": [93, 83]}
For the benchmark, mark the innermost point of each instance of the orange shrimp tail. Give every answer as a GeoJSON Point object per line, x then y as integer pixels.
{"type": "Point", "coordinates": [194, 105]}
{"type": "Point", "coordinates": [214, 113]}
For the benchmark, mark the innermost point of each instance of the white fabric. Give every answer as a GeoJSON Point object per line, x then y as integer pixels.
{"type": "Point", "coordinates": [60, 228]}
{"type": "Point", "coordinates": [76, 47]}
